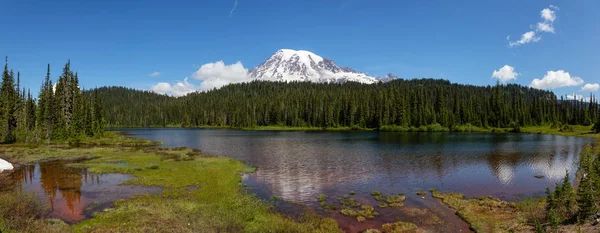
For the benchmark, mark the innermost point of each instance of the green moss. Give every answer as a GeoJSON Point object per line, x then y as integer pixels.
{"type": "Point", "coordinates": [220, 204]}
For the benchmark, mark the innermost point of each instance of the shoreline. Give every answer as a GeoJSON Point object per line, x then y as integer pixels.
{"type": "Point", "coordinates": [577, 130]}
{"type": "Point", "coordinates": [119, 141]}
{"type": "Point", "coordinates": [175, 170]}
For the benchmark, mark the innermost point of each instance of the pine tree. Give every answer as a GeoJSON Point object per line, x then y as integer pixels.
{"type": "Point", "coordinates": [596, 128]}
{"type": "Point", "coordinates": [8, 100]}
{"type": "Point", "coordinates": [98, 116]}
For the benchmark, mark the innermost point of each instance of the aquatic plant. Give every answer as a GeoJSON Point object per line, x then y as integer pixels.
{"type": "Point", "coordinates": [219, 203]}
{"type": "Point", "coordinates": [348, 212]}
{"type": "Point", "coordinates": [322, 197]}
{"type": "Point", "coordinates": [366, 211]}
{"type": "Point", "coordinates": [371, 231]}
{"type": "Point", "coordinates": [383, 205]}
{"type": "Point", "coordinates": [375, 193]}
{"type": "Point", "coordinates": [398, 204]}
{"type": "Point", "coordinates": [348, 202]}
{"type": "Point", "coordinates": [399, 227]}
{"type": "Point", "coordinates": [395, 199]}
{"type": "Point", "coordinates": [361, 219]}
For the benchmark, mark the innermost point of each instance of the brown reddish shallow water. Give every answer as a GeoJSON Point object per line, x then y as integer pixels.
{"type": "Point", "coordinates": [74, 194]}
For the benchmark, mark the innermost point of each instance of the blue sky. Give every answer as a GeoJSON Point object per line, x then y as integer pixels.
{"type": "Point", "coordinates": [122, 42]}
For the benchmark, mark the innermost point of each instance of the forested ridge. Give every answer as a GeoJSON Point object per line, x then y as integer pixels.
{"type": "Point", "coordinates": [400, 103]}
{"type": "Point", "coordinates": [60, 112]}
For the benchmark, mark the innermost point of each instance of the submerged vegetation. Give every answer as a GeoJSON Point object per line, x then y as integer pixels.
{"type": "Point", "coordinates": [564, 209]}
{"type": "Point", "coordinates": [219, 204]}
{"type": "Point", "coordinates": [203, 193]}
{"type": "Point", "coordinates": [399, 227]}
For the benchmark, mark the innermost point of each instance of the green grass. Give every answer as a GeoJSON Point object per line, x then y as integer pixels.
{"type": "Point", "coordinates": [288, 128]}
{"type": "Point", "coordinates": [578, 130]}
{"type": "Point", "coordinates": [263, 128]}
{"type": "Point", "coordinates": [114, 138]}
{"type": "Point", "coordinates": [218, 204]}
{"type": "Point", "coordinates": [487, 214]}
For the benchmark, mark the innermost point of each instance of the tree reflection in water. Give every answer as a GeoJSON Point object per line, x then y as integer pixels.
{"type": "Point", "coordinates": [68, 191]}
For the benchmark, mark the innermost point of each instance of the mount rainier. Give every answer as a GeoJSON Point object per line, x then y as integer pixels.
{"type": "Point", "coordinates": [290, 65]}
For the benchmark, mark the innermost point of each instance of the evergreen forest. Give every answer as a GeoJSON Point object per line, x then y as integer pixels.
{"type": "Point", "coordinates": [395, 105]}
{"type": "Point", "coordinates": [61, 112]}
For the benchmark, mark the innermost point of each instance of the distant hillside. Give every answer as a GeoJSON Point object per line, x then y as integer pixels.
{"type": "Point", "coordinates": [416, 103]}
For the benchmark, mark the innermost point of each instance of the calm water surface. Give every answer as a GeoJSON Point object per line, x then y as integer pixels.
{"type": "Point", "coordinates": [72, 193]}
{"type": "Point", "coordinates": [298, 165]}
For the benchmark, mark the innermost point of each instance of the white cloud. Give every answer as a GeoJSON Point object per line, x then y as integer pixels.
{"type": "Point", "coordinates": [217, 74]}
{"type": "Point", "coordinates": [590, 87]}
{"type": "Point", "coordinates": [575, 96]}
{"type": "Point", "coordinates": [555, 79]}
{"type": "Point", "coordinates": [548, 15]}
{"type": "Point", "coordinates": [527, 37]}
{"type": "Point", "coordinates": [505, 74]}
{"type": "Point", "coordinates": [545, 27]}
{"type": "Point", "coordinates": [233, 9]}
{"type": "Point", "coordinates": [154, 74]}
{"type": "Point", "coordinates": [177, 89]}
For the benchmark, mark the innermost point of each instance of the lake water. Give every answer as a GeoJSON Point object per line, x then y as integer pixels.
{"type": "Point", "coordinates": [300, 165]}
{"type": "Point", "coordinates": [72, 194]}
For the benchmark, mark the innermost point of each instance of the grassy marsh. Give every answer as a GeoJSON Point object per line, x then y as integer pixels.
{"type": "Point", "coordinates": [217, 204]}
{"type": "Point", "coordinates": [487, 214]}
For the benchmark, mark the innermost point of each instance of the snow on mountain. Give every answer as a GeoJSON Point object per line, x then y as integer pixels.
{"type": "Point", "coordinates": [388, 77]}
{"type": "Point", "coordinates": [291, 65]}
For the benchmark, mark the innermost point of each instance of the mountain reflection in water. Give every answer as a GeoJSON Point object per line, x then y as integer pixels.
{"type": "Point", "coordinates": [299, 166]}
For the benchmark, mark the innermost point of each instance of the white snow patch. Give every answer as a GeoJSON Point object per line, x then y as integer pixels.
{"type": "Point", "coordinates": [5, 165]}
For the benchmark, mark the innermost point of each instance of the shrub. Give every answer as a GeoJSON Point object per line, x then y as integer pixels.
{"type": "Point", "coordinates": [596, 128]}
{"type": "Point", "coordinates": [19, 211]}
{"type": "Point", "coordinates": [515, 127]}
{"type": "Point", "coordinates": [566, 128]}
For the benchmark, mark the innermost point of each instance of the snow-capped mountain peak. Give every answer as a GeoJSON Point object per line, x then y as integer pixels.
{"type": "Point", "coordinates": [388, 77]}
{"type": "Point", "coordinates": [299, 65]}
